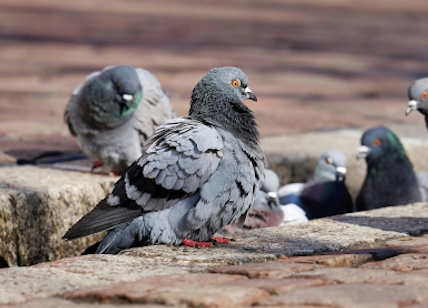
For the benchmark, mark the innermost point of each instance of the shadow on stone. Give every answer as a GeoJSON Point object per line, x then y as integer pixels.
{"type": "Point", "coordinates": [396, 224]}
{"type": "Point", "coordinates": [3, 263]}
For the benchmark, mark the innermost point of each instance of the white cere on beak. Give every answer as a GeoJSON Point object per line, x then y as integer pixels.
{"type": "Point", "coordinates": [411, 105]}
{"type": "Point", "coordinates": [272, 195]}
{"type": "Point", "coordinates": [248, 90]}
{"type": "Point", "coordinates": [128, 97]}
{"type": "Point", "coordinates": [363, 151]}
{"type": "Point", "coordinates": [341, 170]}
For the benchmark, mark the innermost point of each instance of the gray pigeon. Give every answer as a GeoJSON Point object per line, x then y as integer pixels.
{"type": "Point", "coordinates": [418, 98]}
{"type": "Point", "coordinates": [197, 173]}
{"type": "Point", "coordinates": [113, 113]}
{"type": "Point", "coordinates": [325, 194]}
{"type": "Point", "coordinates": [265, 211]}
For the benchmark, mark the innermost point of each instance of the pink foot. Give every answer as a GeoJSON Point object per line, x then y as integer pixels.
{"type": "Point", "coordinates": [96, 164]}
{"type": "Point", "coordinates": [190, 243]}
{"type": "Point", "coordinates": [220, 240]}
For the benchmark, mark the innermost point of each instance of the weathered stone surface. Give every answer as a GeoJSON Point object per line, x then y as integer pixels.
{"type": "Point", "coordinates": [39, 205]}
{"type": "Point", "coordinates": [277, 286]}
{"type": "Point", "coordinates": [333, 260]}
{"type": "Point", "coordinates": [58, 277]}
{"type": "Point", "coordinates": [418, 278]}
{"type": "Point", "coordinates": [344, 275]}
{"type": "Point", "coordinates": [423, 305]}
{"type": "Point", "coordinates": [351, 296]}
{"type": "Point", "coordinates": [61, 303]}
{"type": "Point", "coordinates": [194, 290]}
{"type": "Point", "coordinates": [402, 263]}
{"type": "Point", "coordinates": [271, 269]}
{"type": "Point", "coordinates": [411, 244]}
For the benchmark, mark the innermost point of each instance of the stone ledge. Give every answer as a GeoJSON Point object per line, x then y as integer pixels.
{"type": "Point", "coordinates": [38, 205]}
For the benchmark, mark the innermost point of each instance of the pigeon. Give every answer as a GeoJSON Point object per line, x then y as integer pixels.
{"type": "Point", "coordinates": [418, 98]}
{"type": "Point", "coordinates": [266, 210]}
{"type": "Point", "coordinates": [113, 113]}
{"type": "Point", "coordinates": [325, 193]}
{"type": "Point", "coordinates": [390, 178]}
{"type": "Point", "coordinates": [197, 174]}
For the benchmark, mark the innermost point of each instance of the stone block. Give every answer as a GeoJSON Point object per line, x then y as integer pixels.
{"type": "Point", "coordinates": [38, 205]}
{"type": "Point", "coordinates": [351, 296]}
{"type": "Point", "coordinates": [402, 263]}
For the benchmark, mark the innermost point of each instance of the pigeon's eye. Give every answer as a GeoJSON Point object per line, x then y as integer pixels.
{"type": "Point", "coordinates": [329, 160]}
{"type": "Point", "coordinates": [118, 85]}
{"type": "Point", "coordinates": [425, 94]}
{"type": "Point", "coordinates": [236, 83]}
{"type": "Point", "coordinates": [376, 142]}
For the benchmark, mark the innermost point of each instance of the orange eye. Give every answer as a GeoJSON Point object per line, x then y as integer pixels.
{"type": "Point", "coordinates": [329, 160]}
{"type": "Point", "coordinates": [236, 83]}
{"type": "Point", "coordinates": [118, 85]}
{"type": "Point", "coordinates": [425, 94]}
{"type": "Point", "coordinates": [376, 142]}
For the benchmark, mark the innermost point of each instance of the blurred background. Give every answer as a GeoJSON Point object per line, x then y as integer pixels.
{"type": "Point", "coordinates": [313, 64]}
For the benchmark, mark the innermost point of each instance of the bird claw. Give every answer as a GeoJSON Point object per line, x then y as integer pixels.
{"type": "Point", "coordinates": [220, 240]}
{"type": "Point", "coordinates": [96, 164]}
{"type": "Point", "coordinates": [190, 243]}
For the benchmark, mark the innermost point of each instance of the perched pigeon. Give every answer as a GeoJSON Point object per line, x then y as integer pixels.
{"type": "Point", "coordinates": [265, 211]}
{"type": "Point", "coordinates": [325, 194]}
{"type": "Point", "coordinates": [114, 112]}
{"type": "Point", "coordinates": [418, 98]}
{"type": "Point", "coordinates": [390, 179]}
{"type": "Point", "coordinates": [197, 174]}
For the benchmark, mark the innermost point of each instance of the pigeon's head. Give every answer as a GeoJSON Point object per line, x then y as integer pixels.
{"type": "Point", "coordinates": [271, 182]}
{"type": "Point", "coordinates": [112, 96]}
{"type": "Point", "coordinates": [331, 167]}
{"type": "Point", "coordinates": [378, 142]}
{"type": "Point", "coordinates": [227, 86]}
{"type": "Point", "coordinates": [418, 97]}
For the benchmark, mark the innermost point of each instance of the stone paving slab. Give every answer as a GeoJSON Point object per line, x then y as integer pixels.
{"type": "Point", "coordinates": [352, 296]}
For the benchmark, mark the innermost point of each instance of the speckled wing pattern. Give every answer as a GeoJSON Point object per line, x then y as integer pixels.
{"type": "Point", "coordinates": [154, 108]}
{"type": "Point", "coordinates": [178, 159]}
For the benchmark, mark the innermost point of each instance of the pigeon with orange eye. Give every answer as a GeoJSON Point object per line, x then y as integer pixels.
{"type": "Point", "coordinates": [390, 178]}
{"type": "Point", "coordinates": [418, 98]}
{"type": "Point", "coordinates": [325, 193]}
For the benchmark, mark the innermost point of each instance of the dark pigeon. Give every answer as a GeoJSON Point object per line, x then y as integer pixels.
{"type": "Point", "coordinates": [113, 113]}
{"type": "Point", "coordinates": [325, 194]}
{"type": "Point", "coordinates": [390, 178]}
{"type": "Point", "coordinates": [197, 173]}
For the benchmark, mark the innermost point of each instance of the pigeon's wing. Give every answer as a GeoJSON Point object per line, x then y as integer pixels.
{"type": "Point", "coordinates": [178, 159]}
{"type": "Point", "coordinates": [154, 108]}
{"type": "Point", "coordinates": [71, 112]}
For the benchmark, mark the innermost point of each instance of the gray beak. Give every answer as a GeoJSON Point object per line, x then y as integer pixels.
{"type": "Point", "coordinates": [249, 94]}
{"type": "Point", "coordinates": [412, 105]}
{"type": "Point", "coordinates": [363, 151]}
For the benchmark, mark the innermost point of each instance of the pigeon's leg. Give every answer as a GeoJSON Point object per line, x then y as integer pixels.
{"type": "Point", "coordinates": [187, 242]}
{"type": "Point", "coordinates": [96, 164]}
{"type": "Point", "coordinates": [220, 240]}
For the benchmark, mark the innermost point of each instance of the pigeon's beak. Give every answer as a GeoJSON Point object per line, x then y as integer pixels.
{"type": "Point", "coordinates": [127, 100]}
{"type": "Point", "coordinates": [412, 105]}
{"type": "Point", "coordinates": [363, 151]}
{"type": "Point", "coordinates": [249, 94]}
{"type": "Point", "coordinates": [272, 195]}
{"type": "Point", "coordinates": [341, 173]}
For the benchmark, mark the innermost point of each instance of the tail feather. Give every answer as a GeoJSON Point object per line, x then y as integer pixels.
{"type": "Point", "coordinates": [103, 217]}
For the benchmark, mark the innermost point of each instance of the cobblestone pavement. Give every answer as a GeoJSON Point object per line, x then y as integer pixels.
{"type": "Point", "coordinates": [394, 275]}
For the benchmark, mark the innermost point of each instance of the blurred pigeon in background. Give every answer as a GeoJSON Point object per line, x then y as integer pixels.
{"type": "Point", "coordinates": [418, 98]}
{"type": "Point", "coordinates": [266, 210]}
{"type": "Point", "coordinates": [197, 174]}
{"type": "Point", "coordinates": [325, 194]}
{"type": "Point", "coordinates": [390, 178]}
{"type": "Point", "coordinates": [113, 113]}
